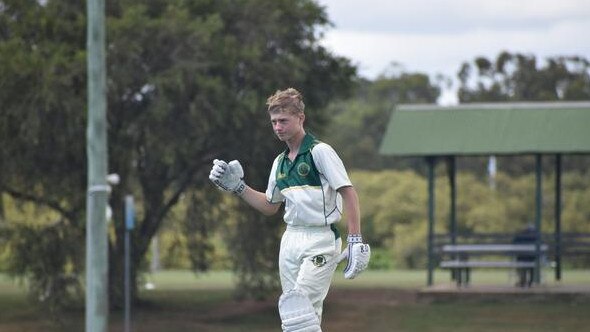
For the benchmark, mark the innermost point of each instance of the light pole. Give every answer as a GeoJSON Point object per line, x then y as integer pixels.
{"type": "Point", "coordinates": [98, 190]}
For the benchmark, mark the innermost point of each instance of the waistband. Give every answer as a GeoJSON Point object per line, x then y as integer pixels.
{"type": "Point", "coordinates": [314, 229]}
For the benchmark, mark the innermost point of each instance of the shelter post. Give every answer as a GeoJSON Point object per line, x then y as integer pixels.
{"type": "Point", "coordinates": [452, 173]}
{"type": "Point", "coordinates": [452, 170]}
{"type": "Point", "coordinates": [431, 161]}
{"type": "Point", "coordinates": [538, 210]}
{"type": "Point", "coordinates": [558, 217]}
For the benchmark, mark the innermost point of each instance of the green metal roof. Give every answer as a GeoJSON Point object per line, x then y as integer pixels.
{"type": "Point", "coordinates": [482, 129]}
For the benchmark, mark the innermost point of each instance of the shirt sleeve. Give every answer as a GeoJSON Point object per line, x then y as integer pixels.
{"type": "Point", "coordinates": [330, 166]}
{"type": "Point", "coordinates": [273, 194]}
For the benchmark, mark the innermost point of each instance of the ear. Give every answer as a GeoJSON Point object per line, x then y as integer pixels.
{"type": "Point", "coordinates": [302, 117]}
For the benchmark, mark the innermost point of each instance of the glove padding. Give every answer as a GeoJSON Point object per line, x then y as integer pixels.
{"type": "Point", "coordinates": [228, 177]}
{"type": "Point", "coordinates": [358, 254]}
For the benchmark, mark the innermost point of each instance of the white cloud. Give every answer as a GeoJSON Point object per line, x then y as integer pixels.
{"type": "Point", "coordinates": [444, 53]}
{"type": "Point", "coordinates": [452, 15]}
{"type": "Point", "coordinates": [438, 36]}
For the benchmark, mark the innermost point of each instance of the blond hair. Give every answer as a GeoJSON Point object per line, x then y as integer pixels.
{"type": "Point", "coordinates": [289, 100]}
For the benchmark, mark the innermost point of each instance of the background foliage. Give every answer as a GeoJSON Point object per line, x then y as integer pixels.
{"type": "Point", "coordinates": [187, 81]}
{"type": "Point", "coordinates": [394, 213]}
{"type": "Point", "coordinates": [187, 84]}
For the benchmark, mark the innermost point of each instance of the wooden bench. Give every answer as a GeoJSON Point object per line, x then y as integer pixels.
{"type": "Point", "coordinates": [461, 265]}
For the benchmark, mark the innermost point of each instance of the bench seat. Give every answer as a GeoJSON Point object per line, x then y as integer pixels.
{"type": "Point", "coordinates": [457, 264]}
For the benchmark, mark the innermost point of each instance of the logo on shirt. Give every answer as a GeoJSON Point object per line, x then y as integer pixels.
{"type": "Point", "coordinates": [319, 260]}
{"type": "Point", "coordinates": [303, 169]}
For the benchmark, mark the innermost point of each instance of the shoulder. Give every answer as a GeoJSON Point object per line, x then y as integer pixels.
{"type": "Point", "coordinates": [319, 147]}
{"type": "Point", "coordinates": [325, 156]}
{"type": "Point", "coordinates": [323, 149]}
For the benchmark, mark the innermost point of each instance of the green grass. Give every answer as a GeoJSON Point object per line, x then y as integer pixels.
{"type": "Point", "coordinates": [405, 279]}
{"type": "Point", "coordinates": [484, 317]}
{"type": "Point", "coordinates": [377, 301]}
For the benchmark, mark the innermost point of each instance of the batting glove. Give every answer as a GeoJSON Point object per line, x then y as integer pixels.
{"type": "Point", "coordinates": [358, 254]}
{"type": "Point", "coordinates": [228, 177]}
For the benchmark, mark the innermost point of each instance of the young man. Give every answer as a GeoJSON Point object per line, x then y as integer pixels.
{"type": "Point", "coordinates": [312, 181]}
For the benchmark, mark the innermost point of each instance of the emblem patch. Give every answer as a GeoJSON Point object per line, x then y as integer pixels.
{"type": "Point", "coordinates": [319, 260]}
{"type": "Point", "coordinates": [303, 169]}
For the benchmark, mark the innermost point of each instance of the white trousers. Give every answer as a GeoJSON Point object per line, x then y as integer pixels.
{"type": "Point", "coordinates": [307, 261]}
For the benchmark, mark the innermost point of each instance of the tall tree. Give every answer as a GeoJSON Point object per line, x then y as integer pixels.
{"type": "Point", "coordinates": [520, 77]}
{"type": "Point", "coordinates": [187, 81]}
{"type": "Point", "coordinates": [42, 126]}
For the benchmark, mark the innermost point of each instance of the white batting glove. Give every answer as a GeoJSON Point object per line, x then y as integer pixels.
{"type": "Point", "coordinates": [358, 254]}
{"type": "Point", "coordinates": [228, 177]}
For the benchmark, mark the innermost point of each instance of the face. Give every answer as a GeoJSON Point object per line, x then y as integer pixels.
{"type": "Point", "coordinates": [286, 125]}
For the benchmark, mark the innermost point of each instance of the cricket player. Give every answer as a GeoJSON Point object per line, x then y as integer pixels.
{"type": "Point", "coordinates": [311, 180]}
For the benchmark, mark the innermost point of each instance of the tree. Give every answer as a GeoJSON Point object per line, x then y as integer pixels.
{"type": "Point", "coordinates": [519, 77]}
{"type": "Point", "coordinates": [187, 81]}
{"type": "Point", "coordinates": [42, 72]}
{"type": "Point", "coordinates": [360, 121]}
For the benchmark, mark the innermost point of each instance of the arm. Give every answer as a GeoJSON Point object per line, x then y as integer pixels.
{"type": "Point", "coordinates": [351, 208]}
{"type": "Point", "coordinates": [228, 177]}
{"type": "Point", "coordinates": [357, 252]}
{"type": "Point", "coordinates": [257, 200]}
{"type": "Point", "coordinates": [332, 168]}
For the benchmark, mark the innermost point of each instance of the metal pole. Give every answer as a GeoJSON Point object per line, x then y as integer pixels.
{"type": "Point", "coordinates": [558, 217]}
{"type": "Point", "coordinates": [453, 207]}
{"type": "Point", "coordinates": [129, 221]}
{"type": "Point", "coordinates": [452, 171]}
{"type": "Point", "coordinates": [431, 164]}
{"type": "Point", "coordinates": [96, 146]}
{"type": "Point", "coordinates": [538, 211]}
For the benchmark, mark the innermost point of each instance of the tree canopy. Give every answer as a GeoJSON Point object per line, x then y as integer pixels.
{"type": "Point", "coordinates": [521, 77]}
{"type": "Point", "coordinates": [187, 82]}
{"type": "Point", "coordinates": [359, 122]}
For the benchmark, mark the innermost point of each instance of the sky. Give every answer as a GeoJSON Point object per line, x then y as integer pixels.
{"type": "Point", "coordinates": [437, 36]}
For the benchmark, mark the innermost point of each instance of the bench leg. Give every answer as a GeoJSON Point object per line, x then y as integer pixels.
{"type": "Point", "coordinates": [523, 277]}
{"type": "Point", "coordinates": [462, 276]}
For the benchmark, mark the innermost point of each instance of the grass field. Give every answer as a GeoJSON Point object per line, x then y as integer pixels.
{"type": "Point", "coordinates": [378, 301]}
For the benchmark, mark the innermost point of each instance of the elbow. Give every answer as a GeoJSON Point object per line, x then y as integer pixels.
{"type": "Point", "coordinates": [270, 209]}
{"type": "Point", "coordinates": [268, 213]}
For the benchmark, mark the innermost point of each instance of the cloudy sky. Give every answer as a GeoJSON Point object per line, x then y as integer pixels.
{"type": "Point", "coordinates": [437, 36]}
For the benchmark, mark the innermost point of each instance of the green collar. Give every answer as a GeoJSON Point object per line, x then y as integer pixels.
{"type": "Point", "coordinates": [308, 142]}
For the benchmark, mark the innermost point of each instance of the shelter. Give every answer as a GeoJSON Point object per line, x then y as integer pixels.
{"type": "Point", "coordinates": [481, 129]}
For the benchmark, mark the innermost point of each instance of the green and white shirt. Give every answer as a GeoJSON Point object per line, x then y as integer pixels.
{"type": "Point", "coordinates": [308, 184]}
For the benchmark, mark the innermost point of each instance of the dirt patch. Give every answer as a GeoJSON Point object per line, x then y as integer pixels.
{"type": "Point", "coordinates": [236, 308]}
{"type": "Point", "coordinates": [372, 296]}
{"type": "Point", "coordinates": [336, 298]}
